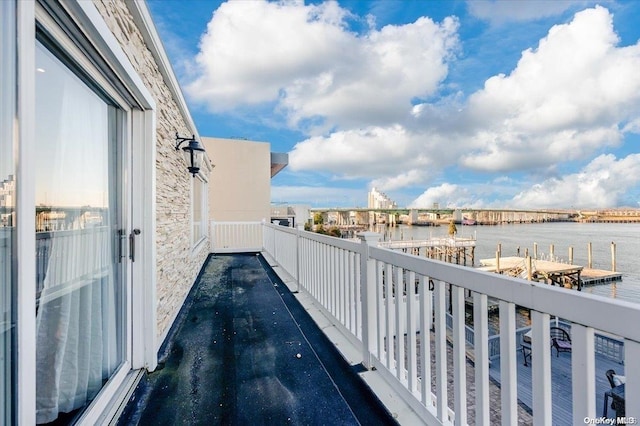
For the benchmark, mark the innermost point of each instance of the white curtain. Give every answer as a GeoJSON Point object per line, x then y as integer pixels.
{"type": "Point", "coordinates": [80, 307]}
{"type": "Point", "coordinates": [76, 326]}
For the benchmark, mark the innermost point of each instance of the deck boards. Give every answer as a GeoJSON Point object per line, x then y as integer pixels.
{"type": "Point", "coordinates": [561, 392]}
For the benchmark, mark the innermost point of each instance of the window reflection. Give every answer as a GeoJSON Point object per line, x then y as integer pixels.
{"type": "Point", "coordinates": [7, 211]}
{"type": "Point", "coordinates": [79, 295]}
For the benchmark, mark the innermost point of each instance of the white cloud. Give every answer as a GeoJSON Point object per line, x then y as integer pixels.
{"type": "Point", "coordinates": [501, 11]}
{"type": "Point", "coordinates": [446, 195]}
{"type": "Point", "coordinates": [602, 183]}
{"type": "Point", "coordinates": [304, 59]}
{"type": "Point", "coordinates": [410, 178]}
{"type": "Point", "coordinates": [374, 151]}
{"type": "Point", "coordinates": [575, 94]}
{"type": "Point", "coordinates": [251, 50]}
{"type": "Point", "coordinates": [564, 100]}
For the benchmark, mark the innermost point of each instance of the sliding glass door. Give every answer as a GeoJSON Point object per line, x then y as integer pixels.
{"type": "Point", "coordinates": [7, 211]}
{"type": "Point", "coordinates": [81, 283]}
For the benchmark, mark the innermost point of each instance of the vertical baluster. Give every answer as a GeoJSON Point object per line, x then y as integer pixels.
{"type": "Point", "coordinates": [336, 284]}
{"type": "Point", "coordinates": [481, 348]}
{"type": "Point", "coordinates": [541, 368]}
{"type": "Point", "coordinates": [425, 340]}
{"type": "Point", "coordinates": [316, 270]}
{"type": "Point", "coordinates": [353, 298]}
{"type": "Point", "coordinates": [310, 264]}
{"type": "Point", "coordinates": [323, 276]}
{"type": "Point", "coordinates": [304, 263]}
{"type": "Point", "coordinates": [340, 289]}
{"type": "Point", "coordinates": [459, 357]}
{"type": "Point", "coordinates": [412, 364]}
{"type": "Point", "coordinates": [326, 277]}
{"type": "Point", "coordinates": [346, 303]}
{"type": "Point", "coordinates": [508, 370]}
{"type": "Point", "coordinates": [380, 303]}
{"type": "Point", "coordinates": [583, 372]}
{"type": "Point", "coordinates": [358, 296]}
{"type": "Point", "coordinates": [400, 321]}
{"type": "Point", "coordinates": [632, 373]}
{"type": "Point", "coordinates": [388, 290]}
{"type": "Point", "coordinates": [341, 298]}
{"type": "Point", "coordinates": [441, 350]}
{"type": "Point", "coordinates": [333, 279]}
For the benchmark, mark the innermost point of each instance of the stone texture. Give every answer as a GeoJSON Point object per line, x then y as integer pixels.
{"type": "Point", "coordinates": [178, 263]}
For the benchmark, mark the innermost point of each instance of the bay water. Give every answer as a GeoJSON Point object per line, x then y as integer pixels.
{"type": "Point", "coordinates": [562, 235]}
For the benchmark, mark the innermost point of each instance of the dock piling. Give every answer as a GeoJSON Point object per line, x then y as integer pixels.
{"type": "Point", "coordinates": [613, 256]}
{"type": "Point", "coordinates": [571, 255]}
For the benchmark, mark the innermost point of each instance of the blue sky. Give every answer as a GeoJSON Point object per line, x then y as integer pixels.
{"type": "Point", "coordinates": [514, 104]}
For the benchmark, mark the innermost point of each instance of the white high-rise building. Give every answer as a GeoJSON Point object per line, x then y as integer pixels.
{"type": "Point", "coordinates": [7, 192]}
{"type": "Point", "coordinates": [380, 200]}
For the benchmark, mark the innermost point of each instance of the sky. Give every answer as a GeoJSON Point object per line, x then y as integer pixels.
{"type": "Point", "coordinates": [477, 104]}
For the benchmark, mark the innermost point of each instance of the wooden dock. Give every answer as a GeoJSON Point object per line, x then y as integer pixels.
{"type": "Point", "coordinates": [554, 273]}
{"type": "Point", "coordinates": [598, 276]}
{"type": "Point", "coordinates": [453, 250]}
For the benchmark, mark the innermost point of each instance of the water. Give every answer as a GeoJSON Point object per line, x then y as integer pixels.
{"type": "Point", "coordinates": [562, 235]}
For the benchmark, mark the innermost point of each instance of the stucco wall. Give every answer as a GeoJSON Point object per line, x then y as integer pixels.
{"type": "Point", "coordinates": [240, 183]}
{"type": "Point", "coordinates": [177, 264]}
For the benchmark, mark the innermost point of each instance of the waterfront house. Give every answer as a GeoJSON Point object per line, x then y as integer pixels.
{"type": "Point", "coordinates": [104, 205]}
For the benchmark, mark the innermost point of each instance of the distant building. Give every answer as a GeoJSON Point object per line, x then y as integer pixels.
{"type": "Point", "coordinates": [7, 200]}
{"type": "Point", "coordinates": [292, 215]}
{"type": "Point", "coordinates": [380, 200]}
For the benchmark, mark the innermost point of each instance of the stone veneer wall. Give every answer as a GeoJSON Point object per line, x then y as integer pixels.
{"type": "Point", "coordinates": [177, 266]}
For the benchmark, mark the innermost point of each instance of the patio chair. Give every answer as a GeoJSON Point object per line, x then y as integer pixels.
{"type": "Point", "coordinates": [560, 340]}
{"type": "Point", "coordinates": [616, 404]}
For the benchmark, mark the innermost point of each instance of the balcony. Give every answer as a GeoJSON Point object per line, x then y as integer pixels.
{"type": "Point", "coordinates": [363, 297]}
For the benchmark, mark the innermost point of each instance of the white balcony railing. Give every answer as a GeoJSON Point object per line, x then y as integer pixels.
{"type": "Point", "coordinates": [235, 237]}
{"type": "Point", "coordinates": [357, 283]}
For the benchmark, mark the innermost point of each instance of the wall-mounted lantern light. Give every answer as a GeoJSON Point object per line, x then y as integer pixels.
{"type": "Point", "coordinates": [193, 153]}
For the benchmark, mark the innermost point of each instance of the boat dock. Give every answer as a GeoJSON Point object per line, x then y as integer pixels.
{"type": "Point", "coordinates": [550, 272]}
{"type": "Point", "coordinates": [599, 276]}
{"type": "Point", "coordinates": [456, 250]}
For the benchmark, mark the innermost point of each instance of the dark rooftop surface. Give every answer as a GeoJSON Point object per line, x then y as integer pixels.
{"type": "Point", "coordinates": [243, 351]}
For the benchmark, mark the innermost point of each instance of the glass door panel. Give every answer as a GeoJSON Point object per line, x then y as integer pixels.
{"type": "Point", "coordinates": [80, 281]}
{"type": "Point", "coordinates": [7, 210]}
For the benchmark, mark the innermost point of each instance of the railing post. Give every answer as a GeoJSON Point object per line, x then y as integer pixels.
{"type": "Point", "coordinates": [299, 229]}
{"type": "Point", "coordinates": [368, 295]}
{"type": "Point", "coordinates": [632, 352]}
{"type": "Point", "coordinates": [212, 235]}
{"type": "Point", "coordinates": [583, 371]}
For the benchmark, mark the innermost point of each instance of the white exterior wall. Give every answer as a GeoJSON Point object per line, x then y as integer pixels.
{"type": "Point", "coordinates": [240, 183]}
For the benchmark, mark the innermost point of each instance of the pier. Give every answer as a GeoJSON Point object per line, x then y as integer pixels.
{"type": "Point", "coordinates": [449, 249]}
{"type": "Point", "coordinates": [550, 272]}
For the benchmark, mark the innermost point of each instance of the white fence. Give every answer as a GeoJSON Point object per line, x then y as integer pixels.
{"type": "Point", "coordinates": [235, 237]}
{"type": "Point", "coordinates": [352, 281]}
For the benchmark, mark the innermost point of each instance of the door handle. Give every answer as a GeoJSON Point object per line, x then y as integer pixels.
{"type": "Point", "coordinates": [132, 244]}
